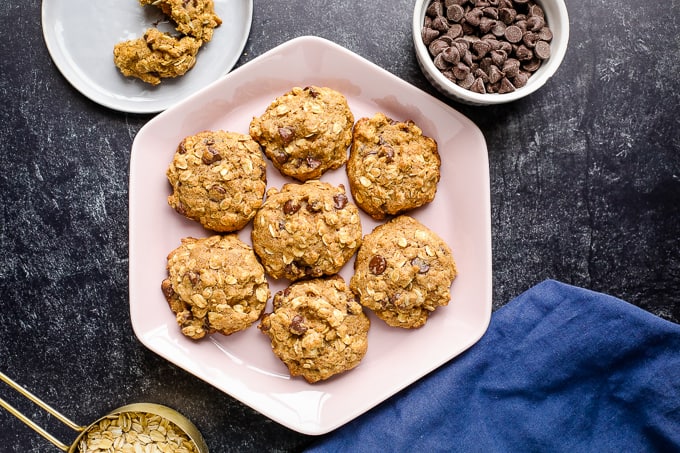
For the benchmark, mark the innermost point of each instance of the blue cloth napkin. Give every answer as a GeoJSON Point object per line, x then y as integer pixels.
{"type": "Point", "coordinates": [560, 369]}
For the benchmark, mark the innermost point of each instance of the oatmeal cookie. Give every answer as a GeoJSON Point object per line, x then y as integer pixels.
{"type": "Point", "coordinates": [403, 272]}
{"type": "Point", "coordinates": [305, 132]}
{"type": "Point", "coordinates": [194, 18]}
{"type": "Point", "coordinates": [156, 56]}
{"type": "Point", "coordinates": [218, 179]}
{"type": "Point", "coordinates": [392, 166]}
{"type": "Point", "coordinates": [306, 230]}
{"type": "Point", "coordinates": [317, 328]}
{"type": "Point", "coordinates": [215, 284]}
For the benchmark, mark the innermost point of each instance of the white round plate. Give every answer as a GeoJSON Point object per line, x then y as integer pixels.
{"type": "Point", "coordinates": [80, 36]}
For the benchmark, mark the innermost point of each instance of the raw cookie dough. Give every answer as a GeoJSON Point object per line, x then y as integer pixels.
{"type": "Point", "coordinates": [306, 230]}
{"type": "Point", "coordinates": [218, 179]}
{"type": "Point", "coordinates": [317, 328]}
{"type": "Point", "coordinates": [305, 132]}
{"type": "Point", "coordinates": [403, 272]}
{"type": "Point", "coordinates": [392, 166]}
{"type": "Point", "coordinates": [215, 284]}
{"type": "Point", "coordinates": [156, 56]}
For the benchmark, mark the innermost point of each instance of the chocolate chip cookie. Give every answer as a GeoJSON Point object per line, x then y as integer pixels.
{"type": "Point", "coordinates": [218, 179]}
{"type": "Point", "coordinates": [156, 56]}
{"type": "Point", "coordinates": [196, 18]}
{"type": "Point", "coordinates": [305, 132]}
{"type": "Point", "coordinates": [392, 166]}
{"type": "Point", "coordinates": [215, 284]}
{"type": "Point", "coordinates": [403, 272]}
{"type": "Point", "coordinates": [306, 230]}
{"type": "Point", "coordinates": [317, 328]}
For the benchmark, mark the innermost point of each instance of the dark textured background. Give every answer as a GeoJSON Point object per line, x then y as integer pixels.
{"type": "Point", "coordinates": [585, 188]}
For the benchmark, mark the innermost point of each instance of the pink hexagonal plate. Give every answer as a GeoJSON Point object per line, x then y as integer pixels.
{"type": "Point", "coordinates": [242, 364]}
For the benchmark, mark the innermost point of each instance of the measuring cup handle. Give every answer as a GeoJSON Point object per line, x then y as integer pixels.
{"type": "Point", "coordinates": [30, 423]}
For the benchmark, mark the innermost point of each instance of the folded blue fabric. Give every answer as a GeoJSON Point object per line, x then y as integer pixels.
{"type": "Point", "coordinates": [560, 369]}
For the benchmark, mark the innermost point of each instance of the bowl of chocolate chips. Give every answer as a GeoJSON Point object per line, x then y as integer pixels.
{"type": "Point", "coordinates": [484, 52]}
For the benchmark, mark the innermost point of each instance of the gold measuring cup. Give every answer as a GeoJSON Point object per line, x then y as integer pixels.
{"type": "Point", "coordinates": [125, 414]}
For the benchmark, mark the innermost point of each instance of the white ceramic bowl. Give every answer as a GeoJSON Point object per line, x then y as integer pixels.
{"type": "Point", "coordinates": [557, 19]}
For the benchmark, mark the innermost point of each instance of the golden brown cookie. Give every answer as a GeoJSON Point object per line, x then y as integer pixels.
{"type": "Point", "coordinates": [403, 272]}
{"type": "Point", "coordinates": [194, 18]}
{"type": "Point", "coordinates": [317, 328]}
{"type": "Point", "coordinates": [156, 56]}
{"type": "Point", "coordinates": [305, 132]}
{"type": "Point", "coordinates": [215, 284]}
{"type": "Point", "coordinates": [306, 230]}
{"type": "Point", "coordinates": [218, 179]}
{"type": "Point", "coordinates": [392, 166]}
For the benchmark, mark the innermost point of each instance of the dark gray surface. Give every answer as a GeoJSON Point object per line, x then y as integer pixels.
{"type": "Point", "coordinates": [585, 188]}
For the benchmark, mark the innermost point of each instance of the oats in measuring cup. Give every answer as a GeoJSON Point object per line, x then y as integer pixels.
{"type": "Point", "coordinates": [136, 432]}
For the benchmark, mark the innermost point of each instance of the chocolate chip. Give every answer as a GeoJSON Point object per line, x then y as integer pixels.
{"type": "Point", "coordinates": [511, 67]}
{"type": "Point", "coordinates": [535, 23]}
{"type": "Point", "coordinates": [478, 86]}
{"type": "Point", "coordinates": [193, 277]}
{"type": "Point", "coordinates": [339, 201]}
{"type": "Point", "coordinates": [542, 50]}
{"type": "Point", "coordinates": [530, 39]}
{"type": "Point", "coordinates": [507, 15]}
{"type": "Point", "coordinates": [437, 46]}
{"type": "Point", "coordinates": [312, 163]}
{"type": "Point", "coordinates": [440, 24]}
{"type": "Point", "coordinates": [513, 34]}
{"type": "Point", "coordinates": [312, 92]}
{"type": "Point", "coordinates": [387, 152]}
{"type": "Point", "coordinates": [474, 16]}
{"type": "Point", "coordinates": [166, 287]}
{"type": "Point", "coordinates": [523, 53]}
{"type": "Point", "coordinates": [281, 157]}
{"type": "Point", "coordinates": [481, 48]}
{"type": "Point", "coordinates": [290, 207]}
{"type": "Point", "coordinates": [421, 264]}
{"type": "Point", "coordinates": [461, 71]}
{"type": "Point", "coordinates": [287, 134]}
{"type": "Point", "coordinates": [455, 31]}
{"type": "Point", "coordinates": [297, 325]}
{"type": "Point", "coordinates": [435, 9]}
{"type": "Point", "coordinates": [210, 156]}
{"type": "Point", "coordinates": [377, 265]}
{"type": "Point", "coordinates": [450, 55]}
{"type": "Point", "coordinates": [498, 57]}
{"type": "Point", "coordinates": [520, 79]}
{"type": "Point", "coordinates": [314, 206]}
{"type": "Point", "coordinates": [545, 34]}
{"type": "Point", "coordinates": [506, 86]}
{"type": "Point", "coordinates": [182, 148]}
{"type": "Point", "coordinates": [495, 74]}
{"type": "Point", "coordinates": [532, 65]}
{"type": "Point", "coordinates": [486, 24]}
{"type": "Point", "coordinates": [429, 35]}
{"type": "Point", "coordinates": [455, 13]}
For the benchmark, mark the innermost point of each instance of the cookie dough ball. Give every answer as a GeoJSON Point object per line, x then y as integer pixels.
{"type": "Point", "coordinates": [392, 166]}
{"type": "Point", "coordinates": [317, 328]}
{"type": "Point", "coordinates": [305, 132]}
{"type": "Point", "coordinates": [156, 56]}
{"type": "Point", "coordinates": [215, 284]}
{"type": "Point", "coordinates": [195, 18]}
{"type": "Point", "coordinates": [403, 272]}
{"type": "Point", "coordinates": [218, 178]}
{"type": "Point", "coordinates": [306, 230]}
